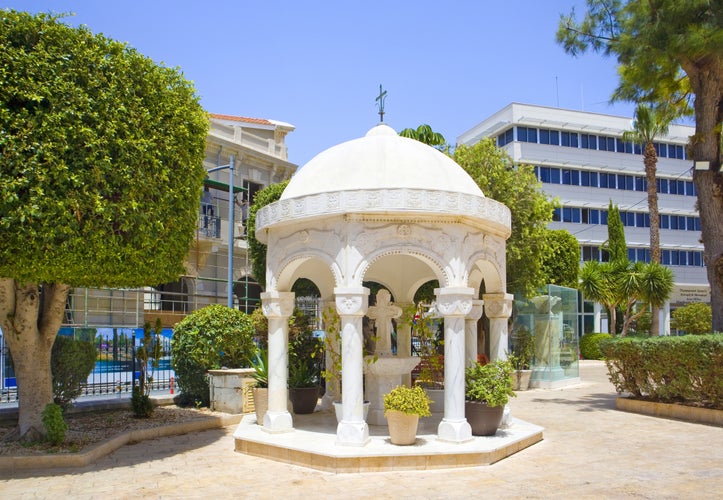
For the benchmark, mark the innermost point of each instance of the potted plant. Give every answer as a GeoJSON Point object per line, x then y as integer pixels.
{"type": "Point", "coordinates": [523, 350]}
{"type": "Point", "coordinates": [305, 358]}
{"type": "Point", "coordinates": [402, 407]}
{"type": "Point", "coordinates": [488, 388]}
{"type": "Point", "coordinates": [303, 387]}
{"type": "Point", "coordinates": [260, 393]}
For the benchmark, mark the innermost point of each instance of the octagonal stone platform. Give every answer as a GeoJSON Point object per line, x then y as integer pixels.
{"type": "Point", "coordinates": [312, 444]}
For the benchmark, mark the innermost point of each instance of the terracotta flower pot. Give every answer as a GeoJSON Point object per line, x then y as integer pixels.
{"type": "Point", "coordinates": [483, 419]}
{"type": "Point", "coordinates": [402, 427]}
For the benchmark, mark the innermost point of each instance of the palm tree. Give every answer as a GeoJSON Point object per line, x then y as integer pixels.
{"type": "Point", "coordinates": [425, 134]}
{"type": "Point", "coordinates": [650, 123]}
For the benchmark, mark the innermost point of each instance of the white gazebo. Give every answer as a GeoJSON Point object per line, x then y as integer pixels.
{"type": "Point", "coordinates": [395, 211]}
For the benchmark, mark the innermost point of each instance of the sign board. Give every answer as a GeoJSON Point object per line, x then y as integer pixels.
{"type": "Point", "coordinates": [686, 294]}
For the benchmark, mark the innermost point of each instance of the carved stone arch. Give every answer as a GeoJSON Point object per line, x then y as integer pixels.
{"type": "Point", "coordinates": [435, 263]}
{"type": "Point", "coordinates": [291, 268]}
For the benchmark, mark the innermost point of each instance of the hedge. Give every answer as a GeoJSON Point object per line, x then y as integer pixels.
{"type": "Point", "coordinates": [590, 345]}
{"type": "Point", "coordinates": [686, 369]}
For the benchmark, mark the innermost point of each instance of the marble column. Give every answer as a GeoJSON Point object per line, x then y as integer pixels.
{"type": "Point", "coordinates": [278, 307]}
{"type": "Point", "coordinates": [455, 304]}
{"type": "Point", "coordinates": [470, 332]}
{"type": "Point", "coordinates": [351, 305]}
{"type": "Point", "coordinates": [498, 307]}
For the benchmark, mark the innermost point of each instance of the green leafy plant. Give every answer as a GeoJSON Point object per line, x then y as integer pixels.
{"type": "Point", "coordinates": [207, 339]}
{"type": "Point", "coordinates": [55, 426]}
{"type": "Point", "coordinates": [490, 383]}
{"type": "Point", "coordinates": [148, 354]}
{"type": "Point", "coordinates": [411, 400]}
{"type": "Point", "coordinates": [590, 345]}
{"type": "Point", "coordinates": [695, 318]}
{"type": "Point", "coordinates": [332, 346]}
{"type": "Point", "coordinates": [71, 362]}
{"type": "Point", "coordinates": [431, 372]}
{"type": "Point", "coordinates": [260, 363]}
{"type": "Point", "coordinates": [305, 352]}
{"type": "Point", "coordinates": [523, 349]}
{"type": "Point", "coordinates": [302, 374]}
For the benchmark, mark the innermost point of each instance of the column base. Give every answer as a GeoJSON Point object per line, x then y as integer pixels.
{"type": "Point", "coordinates": [278, 421]}
{"type": "Point", "coordinates": [454, 431]}
{"type": "Point", "coordinates": [352, 433]}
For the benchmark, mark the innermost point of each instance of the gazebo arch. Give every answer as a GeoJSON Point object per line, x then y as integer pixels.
{"type": "Point", "coordinates": [393, 208]}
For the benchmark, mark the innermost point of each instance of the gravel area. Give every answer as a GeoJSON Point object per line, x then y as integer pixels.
{"type": "Point", "coordinates": [88, 428]}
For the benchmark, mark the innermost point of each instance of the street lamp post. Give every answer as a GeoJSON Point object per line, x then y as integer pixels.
{"type": "Point", "coordinates": [230, 166]}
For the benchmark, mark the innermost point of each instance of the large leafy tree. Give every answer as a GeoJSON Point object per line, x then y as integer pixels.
{"type": "Point", "coordinates": [668, 50]}
{"type": "Point", "coordinates": [517, 187]}
{"type": "Point", "coordinates": [100, 180]}
{"type": "Point", "coordinates": [650, 123]}
{"type": "Point", "coordinates": [561, 260]}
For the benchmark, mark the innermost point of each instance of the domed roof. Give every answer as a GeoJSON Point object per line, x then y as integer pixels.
{"type": "Point", "coordinates": [380, 160]}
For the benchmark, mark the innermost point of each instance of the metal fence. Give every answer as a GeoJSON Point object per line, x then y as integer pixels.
{"type": "Point", "coordinates": [116, 368]}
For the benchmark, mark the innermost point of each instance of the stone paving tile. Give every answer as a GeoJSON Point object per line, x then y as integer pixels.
{"type": "Point", "coordinates": [590, 450]}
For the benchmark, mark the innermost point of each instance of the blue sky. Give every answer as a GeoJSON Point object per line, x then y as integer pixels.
{"type": "Point", "coordinates": [318, 64]}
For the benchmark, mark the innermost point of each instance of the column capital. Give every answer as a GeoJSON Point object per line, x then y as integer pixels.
{"type": "Point", "coordinates": [454, 301]}
{"type": "Point", "coordinates": [351, 301]}
{"type": "Point", "coordinates": [277, 304]}
{"type": "Point", "coordinates": [498, 305]}
{"type": "Point", "coordinates": [476, 311]}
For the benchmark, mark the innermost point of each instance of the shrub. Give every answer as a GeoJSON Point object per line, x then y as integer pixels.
{"type": "Point", "coordinates": [141, 403]}
{"type": "Point", "coordinates": [590, 345]}
{"type": "Point", "coordinates": [671, 369]}
{"type": "Point", "coordinates": [695, 318]}
{"type": "Point", "coordinates": [490, 383]}
{"type": "Point", "coordinates": [55, 426]}
{"type": "Point", "coordinates": [71, 361]}
{"type": "Point", "coordinates": [413, 401]}
{"type": "Point", "coordinates": [207, 339]}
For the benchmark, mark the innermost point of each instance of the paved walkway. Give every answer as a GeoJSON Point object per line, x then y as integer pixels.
{"type": "Point", "coordinates": [590, 450]}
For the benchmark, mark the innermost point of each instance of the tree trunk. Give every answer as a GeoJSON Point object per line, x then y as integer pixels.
{"type": "Point", "coordinates": [651, 165]}
{"type": "Point", "coordinates": [706, 79]}
{"type": "Point", "coordinates": [30, 317]}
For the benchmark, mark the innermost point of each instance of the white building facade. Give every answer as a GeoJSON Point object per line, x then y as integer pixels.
{"type": "Point", "coordinates": [581, 159]}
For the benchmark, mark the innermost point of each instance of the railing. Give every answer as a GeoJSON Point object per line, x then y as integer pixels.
{"type": "Point", "coordinates": [116, 367]}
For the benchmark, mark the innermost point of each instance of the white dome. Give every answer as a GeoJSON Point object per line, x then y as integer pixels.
{"type": "Point", "coordinates": [380, 160]}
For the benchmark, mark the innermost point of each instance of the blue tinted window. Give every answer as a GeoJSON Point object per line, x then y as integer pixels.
{"type": "Point", "coordinates": [594, 179]}
{"type": "Point", "coordinates": [544, 136]}
{"type": "Point", "coordinates": [532, 135]}
{"type": "Point", "coordinates": [673, 222]}
{"type": "Point", "coordinates": [637, 149]}
{"type": "Point", "coordinates": [575, 177]}
{"type": "Point", "coordinates": [576, 215]}
{"type": "Point", "coordinates": [557, 215]}
{"type": "Point", "coordinates": [640, 257]}
{"type": "Point", "coordinates": [555, 137]}
{"type": "Point", "coordinates": [664, 222]}
{"type": "Point", "coordinates": [545, 174]}
{"type": "Point", "coordinates": [554, 176]}
{"type": "Point", "coordinates": [605, 180]}
{"type": "Point", "coordinates": [681, 187]}
{"type": "Point", "coordinates": [629, 219]}
{"type": "Point", "coordinates": [566, 214]}
{"type": "Point", "coordinates": [697, 224]}
{"type": "Point", "coordinates": [694, 192]}
{"type": "Point", "coordinates": [619, 146]}
{"type": "Point", "coordinates": [522, 134]}
{"type": "Point", "coordinates": [594, 216]}
{"type": "Point", "coordinates": [603, 217]}
{"type": "Point", "coordinates": [640, 183]}
{"type": "Point", "coordinates": [674, 258]}
{"type": "Point", "coordinates": [690, 223]}
{"type": "Point", "coordinates": [672, 187]}
{"type": "Point", "coordinates": [698, 259]}
{"type": "Point", "coordinates": [647, 220]}
{"type": "Point", "coordinates": [665, 258]}
{"type": "Point", "coordinates": [640, 219]}
{"type": "Point", "coordinates": [565, 136]}
{"type": "Point", "coordinates": [585, 178]}
{"type": "Point", "coordinates": [631, 254]}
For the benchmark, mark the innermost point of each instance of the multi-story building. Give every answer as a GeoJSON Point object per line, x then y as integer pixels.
{"type": "Point", "coordinates": [582, 160]}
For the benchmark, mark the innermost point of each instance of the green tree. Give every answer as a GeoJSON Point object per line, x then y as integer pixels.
{"type": "Point", "coordinates": [650, 123]}
{"type": "Point", "coordinates": [100, 181]}
{"type": "Point", "coordinates": [695, 318]}
{"type": "Point", "coordinates": [425, 134]}
{"type": "Point", "coordinates": [517, 187]}
{"type": "Point", "coordinates": [615, 245]}
{"type": "Point", "coordinates": [668, 51]}
{"type": "Point", "coordinates": [257, 250]}
{"type": "Point", "coordinates": [561, 261]}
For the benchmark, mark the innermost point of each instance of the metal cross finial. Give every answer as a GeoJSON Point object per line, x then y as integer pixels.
{"type": "Point", "coordinates": [380, 100]}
